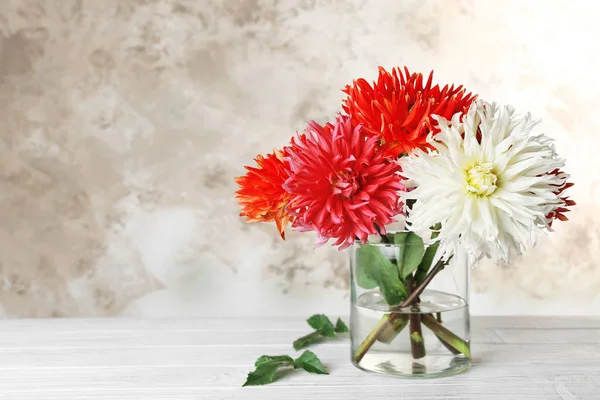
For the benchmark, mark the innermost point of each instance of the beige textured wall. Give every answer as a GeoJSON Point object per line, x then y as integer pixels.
{"type": "Point", "coordinates": [123, 122]}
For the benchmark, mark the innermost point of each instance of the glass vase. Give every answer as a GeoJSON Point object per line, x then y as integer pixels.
{"type": "Point", "coordinates": [426, 333]}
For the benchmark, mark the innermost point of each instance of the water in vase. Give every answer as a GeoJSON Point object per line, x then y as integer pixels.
{"type": "Point", "coordinates": [416, 340]}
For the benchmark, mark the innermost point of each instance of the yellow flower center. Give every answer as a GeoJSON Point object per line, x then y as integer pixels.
{"type": "Point", "coordinates": [481, 179]}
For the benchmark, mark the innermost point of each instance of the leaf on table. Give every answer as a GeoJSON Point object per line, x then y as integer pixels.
{"type": "Point", "coordinates": [266, 369]}
{"type": "Point", "coordinates": [270, 368]}
{"type": "Point", "coordinates": [309, 362]}
{"type": "Point", "coordinates": [382, 271]}
{"type": "Point", "coordinates": [280, 359]}
{"type": "Point", "coordinates": [307, 340]}
{"type": "Point", "coordinates": [322, 324]}
{"type": "Point", "coordinates": [340, 326]}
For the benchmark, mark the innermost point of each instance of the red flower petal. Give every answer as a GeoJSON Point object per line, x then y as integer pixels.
{"type": "Point", "coordinates": [337, 173]}
{"type": "Point", "coordinates": [261, 192]}
{"type": "Point", "coordinates": [561, 208]}
{"type": "Point", "coordinates": [398, 108]}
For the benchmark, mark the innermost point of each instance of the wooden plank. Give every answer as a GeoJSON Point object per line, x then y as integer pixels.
{"type": "Point", "coordinates": [414, 391]}
{"type": "Point", "coordinates": [545, 335]}
{"type": "Point", "coordinates": [233, 355]}
{"type": "Point", "coordinates": [136, 325]}
{"type": "Point", "coordinates": [161, 338]}
{"type": "Point", "coordinates": [223, 377]}
{"type": "Point", "coordinates": [208, 359]}
{"type": "Point", "coordinates": [97, 325]}
{"type": "Point", "coordinates": [523, 321]}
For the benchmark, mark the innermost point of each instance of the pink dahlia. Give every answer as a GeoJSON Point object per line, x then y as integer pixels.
{"type": "Point", "coordinates": [341, 183]}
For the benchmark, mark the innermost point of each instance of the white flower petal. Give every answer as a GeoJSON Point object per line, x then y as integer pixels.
{"type": "Point", "coordinates": [489, 182]}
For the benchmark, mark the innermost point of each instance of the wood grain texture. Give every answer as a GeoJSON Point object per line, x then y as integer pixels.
{"type": "Point", "coordinates": [208, 359]}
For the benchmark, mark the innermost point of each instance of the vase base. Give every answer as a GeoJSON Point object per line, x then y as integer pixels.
{"type": "Point", "coordinates": [404, 366]}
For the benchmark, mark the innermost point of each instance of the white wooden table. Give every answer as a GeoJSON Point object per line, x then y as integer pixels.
{"type": "Point", "coordinates": [208, 359]}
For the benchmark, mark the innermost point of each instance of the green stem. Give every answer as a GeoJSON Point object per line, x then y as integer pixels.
{"type": "Point", "coordinates": [446, 336]}
{"type": "Point", "coordinates": [383, 324]}
{"type": "Point", "coordinates": [384, 238]}
{"type": "Point", "coordinates": [417, 344]}
{"type": "Point", "coordinates": [391, 330]}
{"type": "Point", "coordinates": [386, 320]}
{"type": "Point", "coordinates": [419, 289]}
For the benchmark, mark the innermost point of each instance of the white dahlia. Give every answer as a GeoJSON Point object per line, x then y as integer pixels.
{"type": "Point", "coordinates": [490, 183]}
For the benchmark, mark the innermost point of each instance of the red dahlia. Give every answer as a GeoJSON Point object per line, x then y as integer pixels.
{"type": "Point", "coordinates": [342, 184]}
{"type": "Point", "coordinates": [398, 108]}
{"type": "Point", "coordinates": [261, 194]}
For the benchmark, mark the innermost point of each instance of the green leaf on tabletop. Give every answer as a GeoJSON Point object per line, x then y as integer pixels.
{"type": "Point", "coordinates": [324, 328]}
{"type": "Point", "coordinates": [322, 324]}
{"type": "Point", "coordinates": [340, 326]}
{"type": "Point", "coordinates": [262, 375]}
{"type": "Point", "coordinates": [307, 340]}
{"type": "Point", "coordinates": [410, 252]}
{"type": "Point", "coordinates": [279, 359]}
{"type": "Point", "coordinates": [383, 272]}
{"type": "Point", "coordinates": [266, 369]}
{"type": "Point", "coordinates": [426, 262]}
{"type": "Point", "coordinates": [309, 362]}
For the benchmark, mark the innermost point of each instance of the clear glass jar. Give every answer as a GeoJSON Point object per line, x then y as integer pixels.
{"type": "Point", "coordinates": [425, 332]}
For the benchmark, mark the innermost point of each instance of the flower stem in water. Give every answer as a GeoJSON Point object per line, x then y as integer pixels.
{"type": "Point", "coordinates": [417, 344]}
{"type": "Point", "coordinates": [384, 324]}
{"type": "Point", "coordinates": [391, 330]}
{"type": "Point", "coordinates": [447, 338]}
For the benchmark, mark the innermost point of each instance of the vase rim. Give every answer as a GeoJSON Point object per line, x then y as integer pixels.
{"type": "Point", "coordinates": [357, 242]}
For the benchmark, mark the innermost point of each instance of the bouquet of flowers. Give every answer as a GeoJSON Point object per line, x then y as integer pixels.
{"type": "Point", "coordinates": [466, 176]}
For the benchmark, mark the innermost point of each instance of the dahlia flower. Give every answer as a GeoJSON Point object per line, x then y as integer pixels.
{"type": "Point", "coordinates": [261, 194]}
{"type": "Point", "coordinates": [559, 212]}
{"type": "Point", "coordinates": [398, 108]}
{"type": "Point", "coordinates": [490, 183]}
{"type": "Point", "coordinates": [341, 183]}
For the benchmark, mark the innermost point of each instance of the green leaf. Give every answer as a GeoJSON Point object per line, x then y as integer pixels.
{"type": "Point", "coordinates": [263, 374]}
{"type": "Point", "coordinates": [383, 272]}
{"type": "Point", "coordinates": [340, 326]}
{"type": "Point", "coordinates": [399, 238]}
{"type": "Point", "coordinates": [266, 369]}
{"type": "Point", "coordinates": [269, 368]}
{"type": "Point", "coordinates": [363, 279]}
{"type": "Point", "coordinates": [307, 340]}
{"type": "Point", "coordinates": [436, 230]}
{"type": "Point", "coordinates": [400, 242]}
{"type": "Point", "coordinates": [324, 328]}
{"type": "Point", "coordinates": [426, 262]}
{"type": "Point", "coordinates": [410, 252]}
{"type": "Point", "coordinates": [279, 359]}
{"type": "Point", "coordinates": [322, 324]}
{"type": "Point", "coordinates": [309, 362]}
